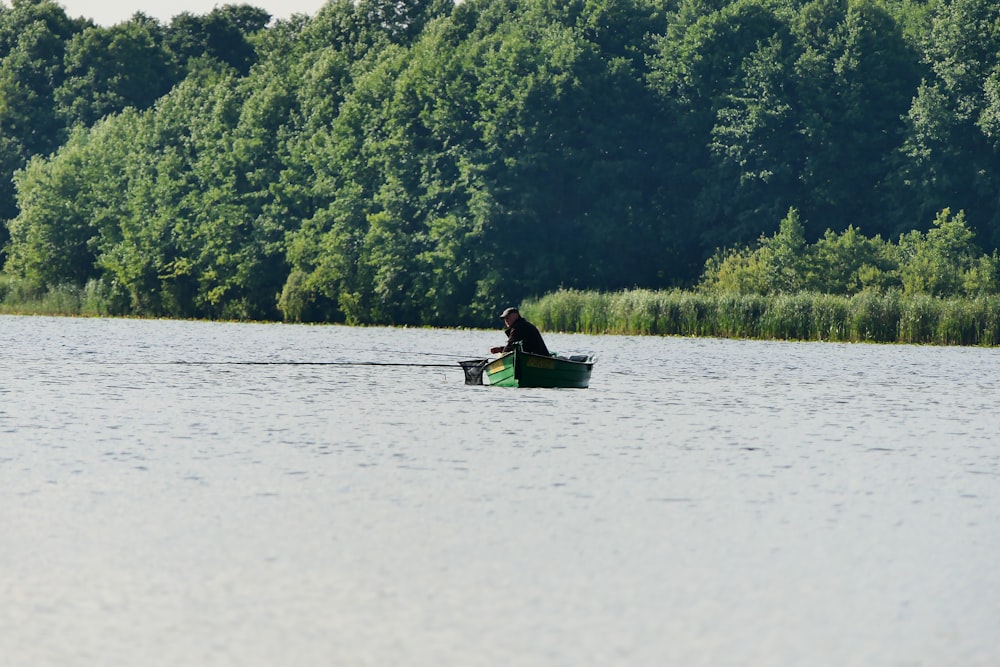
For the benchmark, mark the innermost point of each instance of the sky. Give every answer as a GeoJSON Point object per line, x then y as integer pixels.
{"type": "Point", "coordinates": [110, 12]}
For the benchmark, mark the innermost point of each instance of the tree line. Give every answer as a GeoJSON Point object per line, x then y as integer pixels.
{"type": "Point", "coordinates": [424, 162]}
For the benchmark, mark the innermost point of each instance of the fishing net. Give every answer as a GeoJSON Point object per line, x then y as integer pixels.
{"type": "Point", "coordinates": [474, 370]}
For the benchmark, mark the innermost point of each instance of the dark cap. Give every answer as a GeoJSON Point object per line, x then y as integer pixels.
{"type": "Point", "coordinates": [507, 312]}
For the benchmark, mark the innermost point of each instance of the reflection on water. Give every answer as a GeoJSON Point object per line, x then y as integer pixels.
{"type": "Point", "coordinates": [705, 502]}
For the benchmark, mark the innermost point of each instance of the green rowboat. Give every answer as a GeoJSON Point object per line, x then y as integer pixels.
{"type": "Point", "coordinates": [521, 369]}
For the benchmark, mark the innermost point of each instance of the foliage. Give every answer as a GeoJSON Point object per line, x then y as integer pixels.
{"type": "Point", "coordinates": [19, 297]}
{"type": "Point", "coordinates": [943, 262]}
{"type": "Point", "coordinates": [428, 162]}
{"type": "Point", "coordinates": [109, 69]}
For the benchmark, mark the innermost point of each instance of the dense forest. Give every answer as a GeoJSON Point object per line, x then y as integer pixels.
{"type": "Point", "coordinates": [425, 162]}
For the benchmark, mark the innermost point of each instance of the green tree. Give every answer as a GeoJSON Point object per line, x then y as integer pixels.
{"type": "Point", "coordinates": [714, 58]}
{"type": "Point", "coordinates": [950, 157]}
{"type": "Point", "coordinates": [786, 105]}
{"type": "Point", "coordinates": [495, 156]}
{"type": "Point", "coordinates": [224, 34]}
{"type": "Point", "coordinates": [571, 146]}
{"type": "Point", "coordinates": [207, 249]}
{"type": "Point", "coordinates": [108, 69]}
{"type": "Point", "coordinates": [778, 264]}
{"type": "Point", "coordinates": [51, 238]}
{"type": "Point", "coordinates": [33, 35]}
{"type": "Point", "coordinates": [945, 260]}
{"type": "Point", "coordinates": [849, 262]}
{"type": "Point", "coordinates": [854, 81]}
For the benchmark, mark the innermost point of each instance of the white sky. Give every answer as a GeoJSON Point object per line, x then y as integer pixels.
{"type": "Point", "coordinates": [110, 12]}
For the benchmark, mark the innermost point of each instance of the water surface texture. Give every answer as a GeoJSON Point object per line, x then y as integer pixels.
{"type": "Point", "coordinates": [705, 502]}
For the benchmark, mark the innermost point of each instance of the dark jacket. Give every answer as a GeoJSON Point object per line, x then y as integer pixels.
{"type": "Point", "coordinates": [524, 332]}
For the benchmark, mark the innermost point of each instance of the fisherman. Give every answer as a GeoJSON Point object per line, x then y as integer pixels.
{"type": "Point", "coordinates": [520, 330]}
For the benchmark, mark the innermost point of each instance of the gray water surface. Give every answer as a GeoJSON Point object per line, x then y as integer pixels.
{"type": "Point", "coordinates": [705, 502]}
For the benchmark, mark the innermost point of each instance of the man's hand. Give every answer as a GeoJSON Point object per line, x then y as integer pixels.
{"type": "Point", "coordinates": [496, 350]}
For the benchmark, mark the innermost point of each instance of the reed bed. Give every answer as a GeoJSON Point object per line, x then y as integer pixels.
{"type": "Point", "coordinates": [881, 317]}
{"type": "Point", "coordinates": [21, 298]}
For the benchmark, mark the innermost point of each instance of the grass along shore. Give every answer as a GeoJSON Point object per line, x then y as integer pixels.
{"type": "Point", "coordinates": [19, 298]}
{"type": "Point", "coordinates": [890, 317]}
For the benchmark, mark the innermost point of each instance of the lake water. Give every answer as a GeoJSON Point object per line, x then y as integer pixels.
{"type": "Point", "coordinates": [705, 502]}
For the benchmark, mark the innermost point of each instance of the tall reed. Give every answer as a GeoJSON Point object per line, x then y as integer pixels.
{"type": "Point", "coordinates": [23, 298]}
{"type": "Point", "coordinates": [883, 317]}
{"type": "Point", "coordinates": [918, 319]}
{"type": "Point", "coordinates": [787, 316]}
{"type": "Point", "coordinates": [957, 323]}
{"type": "Point", "coordinates": [740, 315]}
{"type": "Point", "coordinates": [874, 317]}
{"type": "Point", "coordinates": [988, 319]}
{"type": "Point", "coordinates": [829, 319]}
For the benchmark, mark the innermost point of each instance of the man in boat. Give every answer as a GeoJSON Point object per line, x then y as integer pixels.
{"type": "Point", "coordinates": [520, 330]}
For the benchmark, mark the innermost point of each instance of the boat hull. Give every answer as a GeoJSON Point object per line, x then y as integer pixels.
{"type": "Point", "coordinates": [521, 369]}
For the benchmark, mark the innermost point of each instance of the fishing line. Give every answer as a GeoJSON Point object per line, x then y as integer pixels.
{"type": "Point", "coordinates": [422, 354]}
{"type": "Point", "coordinates": [277, 363]}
